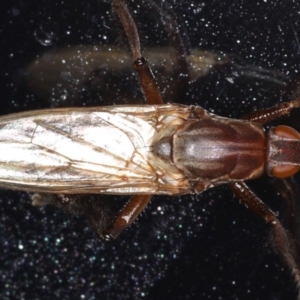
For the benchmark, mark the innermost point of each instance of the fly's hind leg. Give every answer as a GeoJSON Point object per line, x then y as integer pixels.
{"type": "Point", "coordinates": [264, 116]}
{"type": "Point", "coordinates": [149, 86]}
{"type": "Point", "coordinates": [282, 240]}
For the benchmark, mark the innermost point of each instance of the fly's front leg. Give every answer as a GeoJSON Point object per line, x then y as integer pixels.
{"type": "Point", "coordinates": [146, 77]}
{"type": "Point", "coordinates": [266, 115]}
{"type": "Point", "coordinates": [282, 241]}
{"type": "Point", "coordinates": [126, 216]}
{"type": "Point", "coordinates": [287, 188]}
{"type": "Point", "coordinates": [289, 192]}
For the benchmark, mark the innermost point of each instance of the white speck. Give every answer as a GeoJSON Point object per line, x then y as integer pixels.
{"type": "Point", "coordinates": [230, 80]}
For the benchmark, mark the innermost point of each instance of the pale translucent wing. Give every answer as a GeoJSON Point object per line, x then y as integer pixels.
{"type": "Point", "coordinates": [99, 151]}
{"type": "Point", "coordinates": [105, 150]}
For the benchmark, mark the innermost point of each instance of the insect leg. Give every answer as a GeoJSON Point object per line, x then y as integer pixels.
{"type": "Point", "coordinates": [266, 115]}
{"type": "Point", "coordinates": [153, 96]}
{"type": "Point", "coordinates": [146, 77]}
{"type": "Point", "coordinates": [126, 216]}
{"type": "Point", "coordinates": [283, 243]}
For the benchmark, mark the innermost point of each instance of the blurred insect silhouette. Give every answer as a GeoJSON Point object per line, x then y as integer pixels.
{"type": "Point", "coordinates": [142, 150]}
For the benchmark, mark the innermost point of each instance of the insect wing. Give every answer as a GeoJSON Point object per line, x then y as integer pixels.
{"type": "Point", "coordinates": [92, 150]}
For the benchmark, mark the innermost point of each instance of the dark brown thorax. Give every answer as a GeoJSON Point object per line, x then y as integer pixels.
{"type": "Point", "coordinates": [214, 147]}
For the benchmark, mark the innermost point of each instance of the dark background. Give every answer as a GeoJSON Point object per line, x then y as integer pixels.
{"type": "Point", "coordinates": [204, 246]}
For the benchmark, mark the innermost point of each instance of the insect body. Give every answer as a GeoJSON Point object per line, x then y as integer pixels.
{"type": "Point", "coordinates": [166, 149]}
{"type": "Point", "coordinates": [146, 150]}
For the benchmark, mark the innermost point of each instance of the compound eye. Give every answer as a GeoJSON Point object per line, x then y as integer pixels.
{"type": "Point", "coordinates": [286, 132]}
{"type": "Point", "coordinates": [285, 170]}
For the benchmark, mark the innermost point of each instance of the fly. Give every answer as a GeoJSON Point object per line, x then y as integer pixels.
{"type": "Point", "coordinates": [142, 150]}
